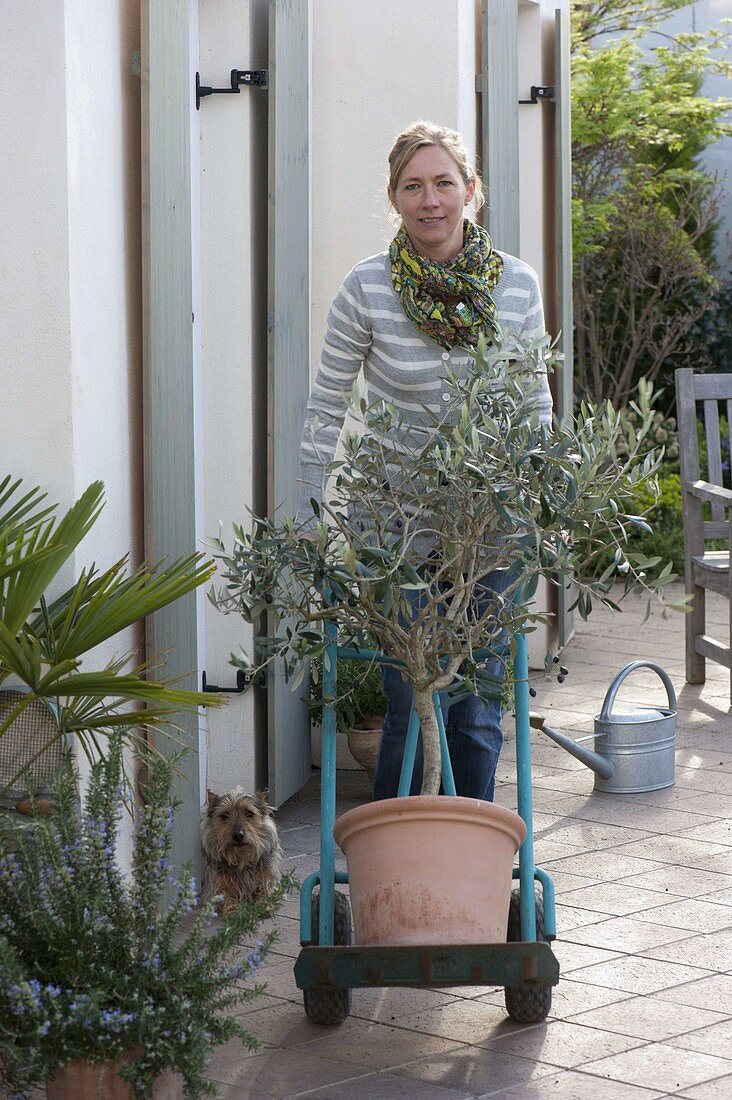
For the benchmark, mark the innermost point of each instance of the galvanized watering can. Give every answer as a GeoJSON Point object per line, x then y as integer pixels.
{"type": "Point", "coordinates": [634, 751]}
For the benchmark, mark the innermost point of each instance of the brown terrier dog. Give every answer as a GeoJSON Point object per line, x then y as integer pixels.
{"type": "Point", "coordinates": [242, 857]}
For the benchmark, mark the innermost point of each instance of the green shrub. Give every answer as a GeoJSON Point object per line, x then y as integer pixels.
{"type": "Point", "coordinates": [359, 689]}
{"type": "Point", "coordinates": [94, 964]}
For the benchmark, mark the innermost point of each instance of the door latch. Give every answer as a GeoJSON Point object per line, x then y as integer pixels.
{"type": "Point", "coordinates": [250, 78]}
{"type": "Point", "coordinates": [539, 91]}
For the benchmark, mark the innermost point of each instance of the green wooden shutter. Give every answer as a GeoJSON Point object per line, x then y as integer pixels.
{"type": "Point", "coordinates": [563, 189]}
{"type": "Point", "coordinates": [169, 378]}
{"type": "Point", "coordinates": [288, 339]}
{"type": "Point", "coordinates": [500, 123]}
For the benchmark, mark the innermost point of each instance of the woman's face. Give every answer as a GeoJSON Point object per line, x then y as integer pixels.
{"type": "Point", "coordinates": [431, 197]}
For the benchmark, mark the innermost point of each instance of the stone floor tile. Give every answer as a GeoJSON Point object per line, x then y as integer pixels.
{"type": "Point", "coordinates": [256, 1004]}
{"type": "Point", "coordinates": [685, 882]}
{"type": "Point", "coordinates": [565, 880]}
{"type": "Point", "coordinates": [546, 850]}
{"type": "Point", "coordinates": [569, 918]}
{"type": "Point", "coordinates": [284, 1025]}
{"type": "Point", "coordinates": [673, 849]}
{"type": "Point", "coordinates": [626, 934]}
{"type": "Point", "coordinates": [384, 1086]}
{"type": "Point", "coordinates": [561, 1043]}
{"type": "Point", "coordinates": [570, 1084]}
{"type": "Point", "coordinates": [669, 800]}
{"type": "Point", "coordinates": [615, 899]}
{"type": "Point", "coordinates": [718, 1089]}
{"type": "Point", "coordinates": [574, 956]}
{"type": "Point", "coordinates": [694, 757]}
{"type": "Point", "coordinates": [664, 1066]}
{"type": "Point", "coordinates": [475, 1071]}
{"type": "Point", "coordinates": [719, 897]}
{"type": "Point", "coordinates": [709, 952]}
{"type": "Point", "coordinates": [714, 991]}
{"type": "Point", "coordinates": [650, 1018]}
{"type": "Point", "coordinates": [614, 865]}
{"type": "Point", "coordinates": [719, 831]}
{"type": "Point", "coordinates": [276, 1073]}
{"type": "Point", "coordinates": [637, 974]}
{"type": "Point", "coordinates": [703, 804]}
{"type": "Point", "coordinates": [564, 782]}
{"type": "Point", "coordinates": [471, 1021]}
{"type": "Point", "coordinates": [375, 1046]}
{"type": "Point", "coordinates": [281, 982]}
{"type": "Point", "coordinates": [704, 779]}
{"type": "Point", "coordinates": [720, 862]}
{"type": "Point", "coordinates": [569, 998]}
{"type": "Point", "coordinates": [601, 808]}
{"type": "Point", "coordinates": [694, 914]}
{"type": "Point", "coordinates": [385, 1006]}
{"type": "Point", "coordinates": [714, 1039]}
{"type": "Point", "coordinates": [590, 836]}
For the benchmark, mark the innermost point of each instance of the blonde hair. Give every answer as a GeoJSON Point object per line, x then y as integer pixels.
{"type": "Point", "coordinates": [421, 134]}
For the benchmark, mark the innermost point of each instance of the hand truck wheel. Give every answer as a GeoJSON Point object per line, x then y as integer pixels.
{"type": "Point", "coordinates": [324, 1005]}
{"type": "Point", "coordinates": [529, 1002]}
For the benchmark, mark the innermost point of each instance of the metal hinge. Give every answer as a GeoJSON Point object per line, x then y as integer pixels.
{"type": "Point", "coordinates": [250, 78]}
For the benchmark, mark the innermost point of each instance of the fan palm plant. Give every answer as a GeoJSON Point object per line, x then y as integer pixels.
{"type": "Point", "coordinates": [44, 641]}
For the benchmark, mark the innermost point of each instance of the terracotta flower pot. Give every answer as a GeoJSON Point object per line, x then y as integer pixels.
{"type": "Point", "coordinates": [100, 1081]}
{"type": "Point", "coordinates": [430, 869]}
{"type": "Point", "coordinates": [363, 741]}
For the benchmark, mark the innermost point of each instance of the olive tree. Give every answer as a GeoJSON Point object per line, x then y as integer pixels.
{"type": "Point", "coordinates": [415, 519]}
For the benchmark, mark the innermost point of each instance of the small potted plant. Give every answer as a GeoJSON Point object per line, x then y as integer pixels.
{"type": "Point", "coordinates": [102, 985]}
{"type": "Point", "coordinates": [359, 708]}
{"type": "Point", "coordinates": [484, 486]}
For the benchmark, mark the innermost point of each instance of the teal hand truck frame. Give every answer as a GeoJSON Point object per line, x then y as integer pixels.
{"type": "Point", "coordinates": [329, 967]}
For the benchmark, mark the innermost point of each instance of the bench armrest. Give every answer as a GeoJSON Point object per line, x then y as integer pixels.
{"type": "Point", "coordinates": [715, 494]}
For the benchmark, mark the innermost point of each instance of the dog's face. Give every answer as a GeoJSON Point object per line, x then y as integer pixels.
{"type": "Point", "coordinates": [238, 827]}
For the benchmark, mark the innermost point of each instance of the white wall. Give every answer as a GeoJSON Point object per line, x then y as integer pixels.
{"type": "Point", "coordinates": [376, 68]}
{"type": "Point", "coordinates": [35, 336]}
{"type": "Point", "coordinates": [70, 262]}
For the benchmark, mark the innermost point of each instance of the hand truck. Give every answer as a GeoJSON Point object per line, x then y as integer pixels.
{"type": "Point", "coordinates": [329, 966]}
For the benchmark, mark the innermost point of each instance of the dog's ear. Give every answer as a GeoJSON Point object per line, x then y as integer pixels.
{"type": "Point", "coordinates": [263, 796]}
{"type": "Point", "coordinates": [211, 800]}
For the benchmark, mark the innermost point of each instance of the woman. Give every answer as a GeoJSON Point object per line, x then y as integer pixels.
{"type": "Point", "coordinates": [408, 316]}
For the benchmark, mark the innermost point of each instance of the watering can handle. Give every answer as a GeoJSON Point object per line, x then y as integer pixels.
{"type": "Point", "coordinates": [612, 691]}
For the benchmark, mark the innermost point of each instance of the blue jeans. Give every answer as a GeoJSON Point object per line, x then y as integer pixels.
{"type": "Point", "coordinates": [472, 727]}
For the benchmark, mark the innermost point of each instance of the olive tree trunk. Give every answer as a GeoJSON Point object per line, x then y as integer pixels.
{"type": "Point", "coordinates": [432, 767]}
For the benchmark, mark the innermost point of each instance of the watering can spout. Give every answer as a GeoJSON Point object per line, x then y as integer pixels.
{"type": "Point", "coordinates": [600, 765]}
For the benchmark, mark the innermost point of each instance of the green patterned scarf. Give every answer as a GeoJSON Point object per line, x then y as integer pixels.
{"type": "Point", "coordinates": [450, 302]}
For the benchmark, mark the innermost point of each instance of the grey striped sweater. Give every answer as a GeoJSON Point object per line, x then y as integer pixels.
{"type": "Point", "coordinates": [368, 327]}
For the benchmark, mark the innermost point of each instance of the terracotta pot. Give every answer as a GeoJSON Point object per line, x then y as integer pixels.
{"type": "Point", "coordinates": [363, 741]}
{"type": "Point", "coordinates": [90, 1081]}
{"type": "Point", "coordinates": [344, 758]}
{"type": "Point", "coordinates": [430, 869]}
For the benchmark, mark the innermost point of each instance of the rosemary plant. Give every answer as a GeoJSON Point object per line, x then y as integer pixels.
{"type": "Point", "coordinates": [93, 965]}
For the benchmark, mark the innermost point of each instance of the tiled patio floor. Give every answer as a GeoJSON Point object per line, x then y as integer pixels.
{"type": "Point", "coordinates": [643, 1008]}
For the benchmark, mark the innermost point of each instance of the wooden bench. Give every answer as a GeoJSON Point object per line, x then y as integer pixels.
{"type": "Point", "coordinates": [706, 501]}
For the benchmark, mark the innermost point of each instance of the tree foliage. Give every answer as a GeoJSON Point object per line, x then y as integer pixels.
{"type": "Point", "coordinates": [484, 486]}
{"type": "Point", "coordinates": [644, 210]}
{"type": "Point", "coordinates": [614, 16]}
